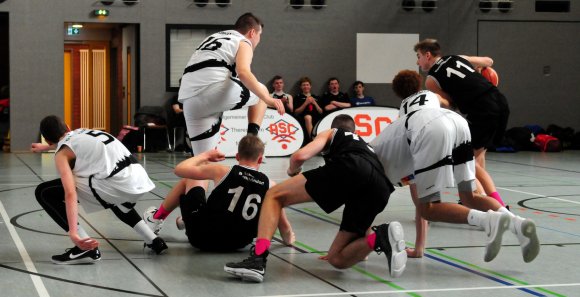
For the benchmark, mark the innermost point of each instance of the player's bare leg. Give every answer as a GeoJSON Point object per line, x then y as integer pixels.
{"type": "Point", "coordinates": [483, 176]}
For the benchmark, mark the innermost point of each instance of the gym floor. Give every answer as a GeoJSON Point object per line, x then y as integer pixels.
{"type": "Point", "coordinates": [542, 186]}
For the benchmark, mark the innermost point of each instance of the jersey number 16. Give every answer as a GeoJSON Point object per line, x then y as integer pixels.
{"type": "Point", "coordinates": [250, 209]}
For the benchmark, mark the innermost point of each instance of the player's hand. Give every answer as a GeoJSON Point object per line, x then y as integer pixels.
{"type": "Point", "coordinates": [215, 156]}
{"type": "Point", "coordinates": [414, 253]}
{"type": "Point", "coordinates": [279, 106]}
{"type": "Point", "coordinates": [294, 172]}
{"type": "Point", "coordinates": [84, 243]}
{"type": "Point", "coordinates": [39, 147]}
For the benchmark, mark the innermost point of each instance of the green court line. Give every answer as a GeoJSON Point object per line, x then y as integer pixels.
{"type": "Point", "coordinates": [432, 251]}
{"type": "Point", "coordinates": [475, 267]}
{"type": "Point", "coordinates": [321, 214]}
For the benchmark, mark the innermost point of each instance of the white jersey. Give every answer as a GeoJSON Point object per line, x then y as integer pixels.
{"type": "Point", "coordinates": [429, 144]}
{"type": "Point", "coordinates": [101, 156]}
{"type": "Point", "coordinates": [417, 101]}
{"type": "Point", "coordinates": [213, 61]}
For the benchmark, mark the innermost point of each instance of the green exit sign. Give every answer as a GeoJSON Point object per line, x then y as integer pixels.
{"type": "Point", "coordinates": [101, 12]}
{"type": "Point", "coordinates": [73, 31]}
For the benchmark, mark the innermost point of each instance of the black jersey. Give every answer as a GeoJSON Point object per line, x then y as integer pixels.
{"type": "Point", "coordinates": [236, 201]}
{"type": "Point", "coordinates": [456, 76]}
{"type": "Point", "coordinates": [346, 147]}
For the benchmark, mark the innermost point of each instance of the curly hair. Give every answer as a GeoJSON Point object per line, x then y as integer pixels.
{"type": "Point", "coordinates": [406, 83]}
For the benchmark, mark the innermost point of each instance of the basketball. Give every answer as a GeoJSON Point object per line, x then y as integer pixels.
{"type": "Point", "coordinates": [491, 75]}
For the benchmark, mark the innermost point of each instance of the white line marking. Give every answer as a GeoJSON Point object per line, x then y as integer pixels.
{"type": "Point", "coordinates": [427, 290]}
{"type": "Point", "coordinates": [540, 195]}
{"type": "Point", "coordinates": [36, 280]}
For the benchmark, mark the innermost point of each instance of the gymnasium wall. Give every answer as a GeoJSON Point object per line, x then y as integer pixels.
{"type": "Point", "coordinates": [317, 43]}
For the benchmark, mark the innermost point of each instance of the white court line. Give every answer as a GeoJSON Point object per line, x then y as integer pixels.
{"type": "Point", "coordinates": [36, 280]}
{"type": "Point", "coordinates": [540, 195]}
{"type": "Point", "coordinates": [427, 290]}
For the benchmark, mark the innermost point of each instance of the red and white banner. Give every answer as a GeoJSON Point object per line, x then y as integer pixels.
{"type": "Point", "coordinates": [281, 134]}
{"type": "Point", "coordinates": [369, 121]}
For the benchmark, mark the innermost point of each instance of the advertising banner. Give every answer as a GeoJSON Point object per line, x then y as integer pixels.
{"type": "Point", "coordinates": [281, 134]}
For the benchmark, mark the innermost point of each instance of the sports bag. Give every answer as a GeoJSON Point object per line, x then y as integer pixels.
{"type": "Point", "coordinates": [547, 143]}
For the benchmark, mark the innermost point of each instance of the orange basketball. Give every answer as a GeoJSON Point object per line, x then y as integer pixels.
{"type": "Point", "coordinates": [490, 74]}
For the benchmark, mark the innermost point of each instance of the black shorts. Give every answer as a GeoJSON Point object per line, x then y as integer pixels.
{"type": "Point", "coordinates": [488, 121]}
{"type": "Point", "coordinates": [353, 182]}
{"type": "Point", "coordinates": [211, 230]}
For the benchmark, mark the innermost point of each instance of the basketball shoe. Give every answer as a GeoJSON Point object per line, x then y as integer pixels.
{"type": "Point", "coordinates": [525, 230]}
{"type": "Point", "coordinates": [158, 245]}
{"type": "Point", "coordinates": [391, 241]}
{"type": "Point", "coordinates": [495, 224]}
{"type": "Point", "coordinates": [77, 256]}
{"type": "Point", "coordinates": [252, 269]}
{"type": "Point", "coordinates": [154, 224]}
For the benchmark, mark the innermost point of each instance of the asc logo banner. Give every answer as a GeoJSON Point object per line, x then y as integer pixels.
{"type": "Point", "coordinates": [281, 134]}
{"type": "Point", "coordinates": [369, 121]}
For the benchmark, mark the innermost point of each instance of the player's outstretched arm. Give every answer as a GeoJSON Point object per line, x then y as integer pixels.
{"type": "Point", "coordinates": [310, 150]}
{"type": "Point", "coordinates": [41, 147]}
{"type": "Point", "coordinates": [62, 161]}
{"type": "Point", "coordinates": [243, 69]}
{"type": "Point", "coordinates": [477, 61]}
{"type": "Point", "coordinates": [420, 227]}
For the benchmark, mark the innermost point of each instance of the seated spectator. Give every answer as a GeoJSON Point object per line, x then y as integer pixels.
{"type": "Point", "coordinates": [308, 111]}
{"type": "Point", "coordinates": [360, 99]}
{"type": "Point", "coordinates": [334, 99]}
{"type": "Point", "coordinates": [278, 85]}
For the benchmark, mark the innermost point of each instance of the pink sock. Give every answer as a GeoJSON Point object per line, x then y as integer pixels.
{"type": "Point", "coordinates": [495, 195]}
{"type": "Point", "coordinates": [371, 239]}
{"type": "Point", "coordinates": [161, 213]}
{"type": "Point", "coordinates": [262, 245]}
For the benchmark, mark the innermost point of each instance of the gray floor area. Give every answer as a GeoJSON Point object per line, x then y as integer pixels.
{"type": "Point", "coordinates": [541, 186]}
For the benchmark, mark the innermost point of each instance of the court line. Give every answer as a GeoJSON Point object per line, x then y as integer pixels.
{"type": "Point", "coordinates": [541, 196]}
{"type": "Point", "coordinates": [477, 270]}
{"type": "Point", "coordinates": [426, 290]}
{"type": "Point", "coordinates": [36, 280]}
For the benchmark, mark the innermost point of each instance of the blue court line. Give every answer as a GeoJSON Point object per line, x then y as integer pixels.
{"type": "Point", "coordinates": [495, 279]}
{"type": "Point", "coordinates": [431, 257]}
{"type": "Point", "coordinates": [558, 231]}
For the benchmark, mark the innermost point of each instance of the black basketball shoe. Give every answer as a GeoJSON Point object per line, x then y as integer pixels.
{"type": "Point", "coordinates": [158, 245]}
{"type": "Point", "coordinates": [77, 256]}
{"type": "Point", "coordinates": [390, 240]}
{"type": "Point", "coordinates": [252, 269]}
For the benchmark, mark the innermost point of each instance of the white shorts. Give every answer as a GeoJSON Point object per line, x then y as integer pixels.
{"type": "Point", "coordinates": [442, 153]}
{"type": "Point", "coordinates": [96, 198]}
{"type": "Point", "coordinates": [203, 111]}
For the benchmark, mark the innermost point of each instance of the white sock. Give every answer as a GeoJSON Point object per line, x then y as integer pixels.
{"type": "Point", "coordinates": [81, 231]}
{"type": "Point", "coordinates": [145, 232]}
{"type": "Point", "coordinates": [503, 209]}
{"type": "Point", "coordinates": [476, 218]}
